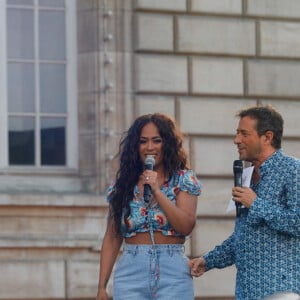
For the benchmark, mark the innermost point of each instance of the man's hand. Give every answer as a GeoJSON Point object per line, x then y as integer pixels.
{"type": "Point", "coordinates": [243, 195]}
{"type": "Point", "coordinates": [197, 266]}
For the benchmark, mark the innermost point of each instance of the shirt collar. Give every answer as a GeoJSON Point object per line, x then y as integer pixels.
{"type": "Point", "coordinates": [270, 161]}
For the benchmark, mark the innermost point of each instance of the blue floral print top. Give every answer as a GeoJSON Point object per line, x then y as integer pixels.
{"type": "Point", "coordinates": [137, 221]}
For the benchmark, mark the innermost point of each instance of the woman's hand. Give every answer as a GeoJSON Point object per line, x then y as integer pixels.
{"type": "Point", "coordinates": [102, 294]}
{"type": "Point", "coordinates": [150, 177]}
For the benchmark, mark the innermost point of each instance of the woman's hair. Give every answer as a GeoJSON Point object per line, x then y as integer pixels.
{"type": "Point", "coordinates": [131, 165]}
{"type": "Point", "coordinates": [268, 119]}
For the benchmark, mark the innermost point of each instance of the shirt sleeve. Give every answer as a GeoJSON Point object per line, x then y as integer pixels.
{"type": "Point", "coordinates": [282, 217]}
{"type": "Point", "coordinates": [221, 256]}
{"type": "Point", "coordinates": [110, 191]}
{"type": "Point", "coordinates": [190, 183]}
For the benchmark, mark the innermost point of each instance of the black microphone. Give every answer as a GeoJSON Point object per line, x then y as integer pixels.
{"type": "Point", "coordinates": [238, 172]}
{"type": "Point", "coordinates": [149, 164]}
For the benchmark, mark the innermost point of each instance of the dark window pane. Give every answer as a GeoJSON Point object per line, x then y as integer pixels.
{"type": "Point", "coordinates": [21, 141]}
{"type": "Point", "coordinates": [53, 141]}
{"type": "Point", "coordinates": [53, 88]}
{"type": "Point", "coordinates": [52, 38]}
{"type": "Point", "coordinates": [20, 34]}
{"type": "Point", "coordinates": [20, 85]}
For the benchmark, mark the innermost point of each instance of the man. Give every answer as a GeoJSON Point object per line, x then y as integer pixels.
{"type": "Point", "coordinates": [265, 245]}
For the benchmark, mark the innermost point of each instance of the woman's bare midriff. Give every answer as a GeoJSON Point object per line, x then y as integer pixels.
{"type": "Point", "coordinates": [145, 238]}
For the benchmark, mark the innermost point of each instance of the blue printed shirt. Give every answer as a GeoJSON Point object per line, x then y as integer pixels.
{"type": "Point", "coordinates": [140, 212]}
{"type": "Point", "coordinates": [265, 245]}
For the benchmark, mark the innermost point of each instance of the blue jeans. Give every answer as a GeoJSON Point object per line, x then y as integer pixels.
{"type": "Point", "coordinates": [146, 272]}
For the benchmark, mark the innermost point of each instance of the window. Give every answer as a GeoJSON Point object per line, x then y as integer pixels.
{"type": "Point", "coordinates": [38, 85]}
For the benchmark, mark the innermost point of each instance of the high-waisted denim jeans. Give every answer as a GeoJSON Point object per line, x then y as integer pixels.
{"type": "Point", "coordinates": [153, 272]}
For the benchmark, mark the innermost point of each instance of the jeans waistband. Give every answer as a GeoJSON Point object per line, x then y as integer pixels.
{"type": "Point", "coordinates": [169, 248]}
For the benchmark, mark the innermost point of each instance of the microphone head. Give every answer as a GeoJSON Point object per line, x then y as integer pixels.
{"type": "Point", "coordinates": [150, 160]}
{"type": "Point", "coordinates": [238, 166]}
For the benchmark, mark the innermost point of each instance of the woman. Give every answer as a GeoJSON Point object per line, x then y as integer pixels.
{"type": "Point", "coordinates": [153, 264]}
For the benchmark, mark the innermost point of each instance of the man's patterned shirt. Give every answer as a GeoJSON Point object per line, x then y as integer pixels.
{"type": "Point", "coordinates": [265, 245]}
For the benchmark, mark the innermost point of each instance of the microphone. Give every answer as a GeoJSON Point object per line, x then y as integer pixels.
{"type": "Point", "coordinates": [149, 164]}
{"type": "Point", "coordinates": [238, 172]}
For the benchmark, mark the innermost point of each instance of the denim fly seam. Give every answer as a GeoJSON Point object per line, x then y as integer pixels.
{"type": "Point", "coordinates": [154, 266]}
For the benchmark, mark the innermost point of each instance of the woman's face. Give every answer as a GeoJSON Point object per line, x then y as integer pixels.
{"type": "Point", "coordinates": [151, 143]}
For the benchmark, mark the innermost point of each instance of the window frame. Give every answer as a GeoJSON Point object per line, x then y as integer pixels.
{"type": "Point", "coordinates": [71, 98]}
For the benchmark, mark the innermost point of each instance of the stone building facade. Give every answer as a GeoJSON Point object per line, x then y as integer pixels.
{"type": "Point", "coordinates": [197, 60]}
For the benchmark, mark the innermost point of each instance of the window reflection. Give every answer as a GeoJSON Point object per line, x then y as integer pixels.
{"type": "Point", "coordinates": [53, 141]}
{"type": "Point", "coordinates": [48, 3]}
{"type": "Point", "coordinates": [52, 3]}
{"type": "Point", "coordinates": [20, 87]}
{"type": "Point", "coordinates": [52, 88]}
{"type": "Point", "coordinates": [20, 34]}
{"type": "Point", "coordinates": [52, 35]}
{"type": "Point", "coordinates": [21, 141]}
{"type": "Point", "coordinates": [20, 2]}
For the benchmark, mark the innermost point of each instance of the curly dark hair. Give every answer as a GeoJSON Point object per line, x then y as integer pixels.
{"type": "Point", "coordinates": [268, 119]}
{"type": "Point", "coordinates": [131, 166]}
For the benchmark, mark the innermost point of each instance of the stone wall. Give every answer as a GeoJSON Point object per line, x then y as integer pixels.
{"type": "Point", "coordinates": [197, 60]}
{"type": "Point", "coordinates": [201, 61]}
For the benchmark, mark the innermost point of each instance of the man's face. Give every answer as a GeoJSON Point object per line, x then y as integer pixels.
{"type": "Point", "coordinates": [248, 142]}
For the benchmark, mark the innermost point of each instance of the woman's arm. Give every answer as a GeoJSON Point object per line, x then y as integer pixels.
{"type": "Point", "coordinates": [109, 251]}
{"type": "Point", "coordinates": [181, 216]}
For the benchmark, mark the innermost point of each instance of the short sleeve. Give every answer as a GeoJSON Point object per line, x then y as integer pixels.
{"type": "Point", "coordinates": [110, 191]}
{"type": "Point", "coordinates": [190, 183]}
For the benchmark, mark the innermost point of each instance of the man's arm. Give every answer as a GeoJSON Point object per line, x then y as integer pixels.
{"type": "Point", "coordinates": [220, 257]}
{"type": "Point", "coordinates": [283, 216]}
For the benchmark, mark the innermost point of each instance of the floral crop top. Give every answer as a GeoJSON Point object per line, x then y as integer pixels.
{"type": "Point", "coordinates": [138, 220]}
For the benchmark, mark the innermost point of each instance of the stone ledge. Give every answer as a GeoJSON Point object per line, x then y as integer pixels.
{"type": "Point", "coordinates": [92, 242]}
{"type": "Point", "coordinates": [77, 200]}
